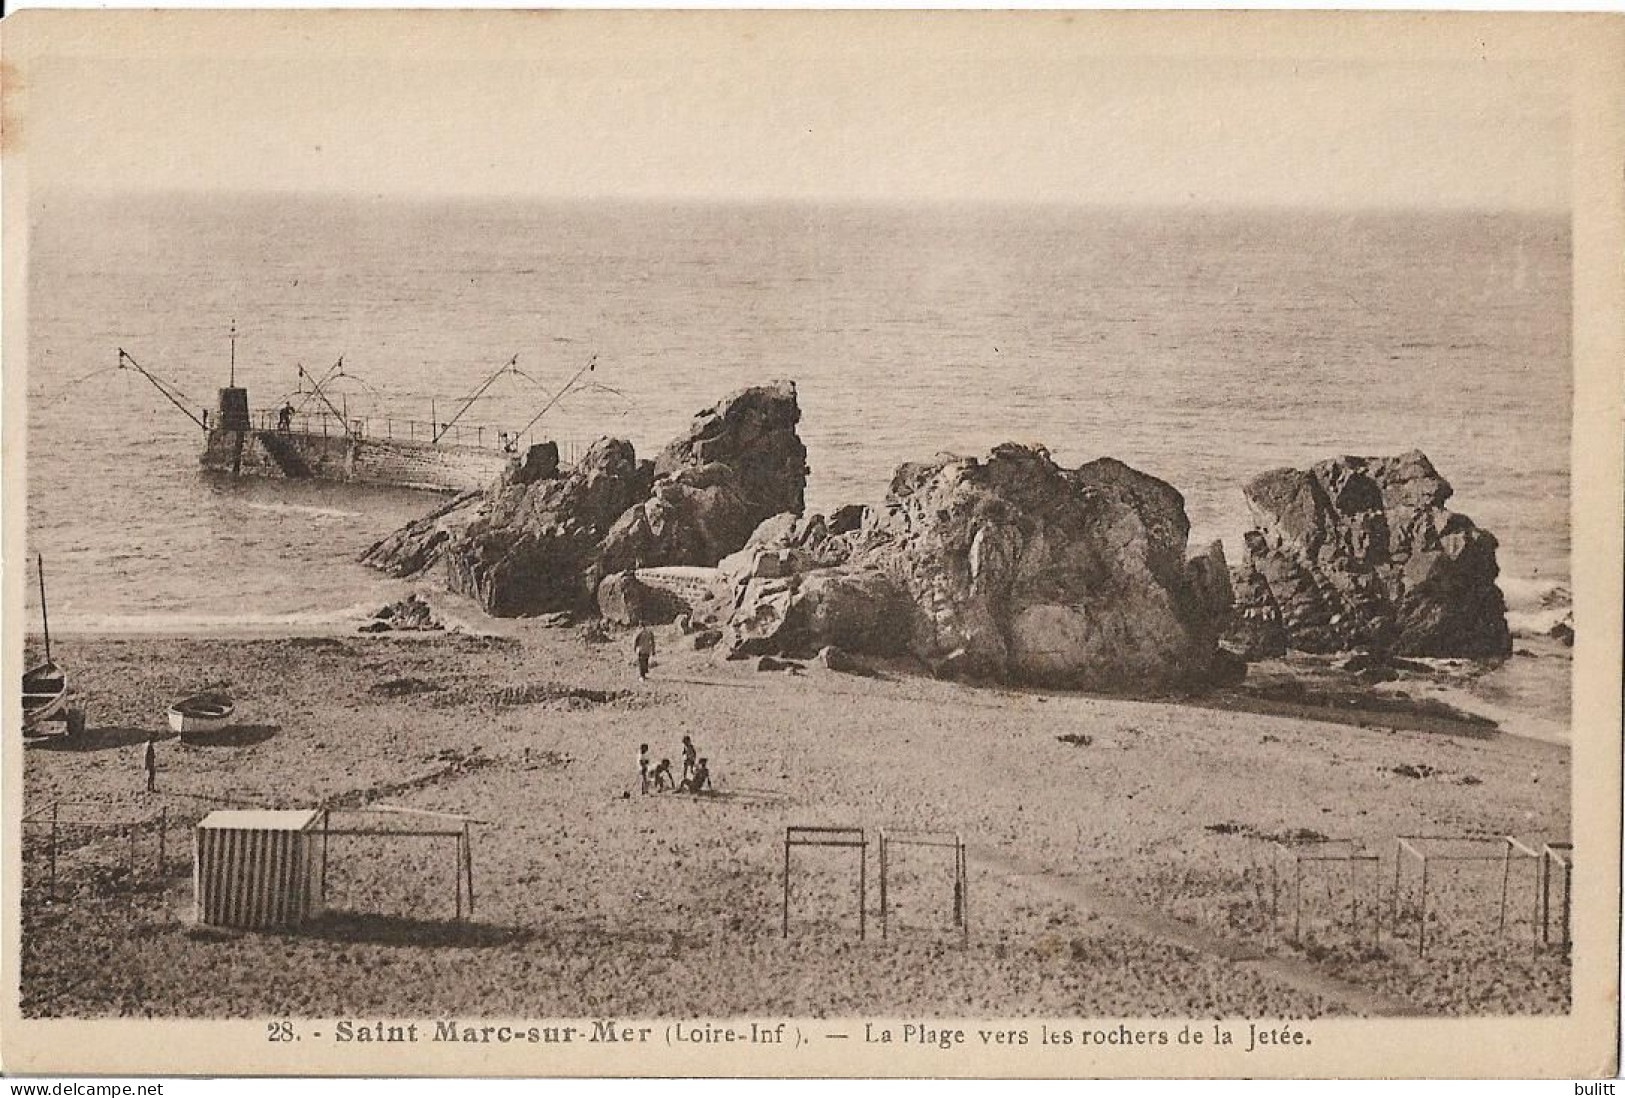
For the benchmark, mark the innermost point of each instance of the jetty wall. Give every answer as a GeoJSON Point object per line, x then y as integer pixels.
{"type": "Point", "coordinates": [690, 585]}
{"type": "Point", "coordinates": [299, 455]}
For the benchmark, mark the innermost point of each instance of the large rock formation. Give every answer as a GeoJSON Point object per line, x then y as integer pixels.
{"type": "Point", "coordinates": [534, 547]}
{"type": "Point", "coordinates": [1362, 553]}
{"type": "Point", "coordinates": [1010, 569]}
{"type": "Point", "coordinates": [737, 464]}
{"type": "Point", "coordinates": [541, 538]}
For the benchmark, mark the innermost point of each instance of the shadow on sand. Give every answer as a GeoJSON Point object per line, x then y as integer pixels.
{"type": "Point", "coordinates": [1354, 708]}
{"type": "Point", "coordinates": [236, 735]}
{"type": "Point", "coordinates": [102, 739]}
{"type": "Point", "coordinates": [403, 930]}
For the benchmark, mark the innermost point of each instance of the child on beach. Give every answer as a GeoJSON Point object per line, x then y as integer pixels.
{"type": "Point", "coordinates": [700, 781]}
{"type": "Point", "coordinates": [689, 754]}
{"type": "Point", "coordinates": [662, 776]}
{"type": "Point", "coordinates": [643, 766]}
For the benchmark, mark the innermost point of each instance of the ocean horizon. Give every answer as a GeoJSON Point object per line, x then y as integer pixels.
{"type": "Point", "coordinates": [1201, 346]}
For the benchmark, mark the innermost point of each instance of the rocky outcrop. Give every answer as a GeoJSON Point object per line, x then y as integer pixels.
{"type": "Point", "coordinates": [625, 600]}
{"type": "Point", "coordinates": [1010, 569]}
{"type": "Point", "coordinates": [417, 546]}
{"type": "Point", "coordinates": [738, 463]}
{"type": "Point", "coordinates": [542, 538]}
{"type": "Point", "coordinates": [1361, 553]}
{"type": "Point", "coordinates": [860, 610]}
{"type": "Point", "coordinates": [534, 547]}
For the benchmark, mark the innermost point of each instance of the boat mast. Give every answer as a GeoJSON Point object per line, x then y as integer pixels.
{"type": "Point", "coordinates": [163, 387]}
{"type": "Point", "coordinates": [339, 365]}
{"type": "Point", "coordinates": [44, 614]}
{"type": "Point", "coordinates": [511, 364]}
{"type": "Point", "coordinates": [558, 396]}
{"type": "Point", "coordinates": [234, 352]}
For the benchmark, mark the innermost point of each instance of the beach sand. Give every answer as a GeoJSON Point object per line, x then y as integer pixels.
{"type": "Point", "coordinates": [1120, 852]}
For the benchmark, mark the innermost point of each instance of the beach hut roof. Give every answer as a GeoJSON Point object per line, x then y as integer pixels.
{"type": "Point", "coordinates": [262, 819]}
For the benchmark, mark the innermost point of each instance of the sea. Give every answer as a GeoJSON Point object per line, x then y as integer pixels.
{"type": "Point", "coordinates": [1202, 345]}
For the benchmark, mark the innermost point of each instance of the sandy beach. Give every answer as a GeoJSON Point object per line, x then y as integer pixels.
{"type": "Point", "coordinates": [1122, 855]}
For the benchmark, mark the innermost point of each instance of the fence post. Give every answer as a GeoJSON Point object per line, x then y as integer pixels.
{"type": "Point", "coordinates": [163, 840]}
{"type": "Point", "coordinates": [787, 884]}
{"type": "Point", "coordinates": [53, 849]}
{"type": "Point", "coordinates": [885, 915]}
{"type": "Point", "coordinates": [1422, 912]}
{"type": "Point", "coordinates": [863, 887]}
{"type": "Point", "coordinates": [1506, 876]}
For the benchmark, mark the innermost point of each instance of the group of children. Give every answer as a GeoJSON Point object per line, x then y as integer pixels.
{"type": "Point", "coordinates": [696, 772]}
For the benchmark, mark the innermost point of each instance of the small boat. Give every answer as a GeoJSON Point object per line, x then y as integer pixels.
{"type": "Point", "coordinates": [45, 693]}
{"type": "Point", "coordinates": [45, 685]}
{"type": "Point", "coordinates": [201, 713]}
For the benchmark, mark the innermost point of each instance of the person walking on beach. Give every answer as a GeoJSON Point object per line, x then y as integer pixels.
{"type": "Point", "coordinates": [689, 755]}
{"type": "Point", "coordinates": [149, 759]}
{"type": "Point", "coordinates": [644, 646]}
{"type": "Point", "coordinates": [643, 767]}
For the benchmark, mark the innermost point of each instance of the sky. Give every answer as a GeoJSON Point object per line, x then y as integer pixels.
{"type": "Point", "coordinates": [1036, 107]}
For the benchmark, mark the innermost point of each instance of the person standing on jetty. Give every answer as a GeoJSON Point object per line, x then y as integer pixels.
{"type": "Point", "coordinates": [644, 646]}
{"type": "Point", "coordinates": [149, 760]}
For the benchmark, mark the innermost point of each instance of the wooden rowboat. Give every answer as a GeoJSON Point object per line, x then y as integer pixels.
{"type": "Point", "coordinates": [45, 693]}
{"type": "Point", "coordinates": [45, 685]}
{"type": "Point", "coordinates": [201, 713]}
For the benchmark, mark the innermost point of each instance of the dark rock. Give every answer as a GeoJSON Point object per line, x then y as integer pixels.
{"type": "Point", "coordinates": [1372, 661]}
{"type": "Point", "coordinates": [534, 547]}
{"type": "Point", "coordinates": [1361, 553]}
{"type": "Point", "coordinates": [844, 520]}
{"type": "Point", "coordinates": [418, 545]}
{"type": "Point", "coordinates": [594, 632]}
{"type": "Point", "coordinates": [1563, 631]}
{"type": "Point", "coordinates": [410, 613]}
{"type": "Point", "coordinates": [752, 434]}
{"type": "Point", "coordinates": [624, 600]}
{"type": "Point", "coordinates": [1226, 668]}
{"type": "Point", "coordinates": [542, 539]}
{"type": "Point", "coordinates": [541, 462]}
{"type": "Point", "coordinates": [838, 659]}
{"type": "Point", "coordinates": [768, 663]}
{"type": "Point", "coordinates": [737, 464]}
{"type": "Point", "coordinates": [707, 638]}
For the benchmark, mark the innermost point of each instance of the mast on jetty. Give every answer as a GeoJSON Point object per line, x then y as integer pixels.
{"type": "Point", "coordinates": [173, 394]}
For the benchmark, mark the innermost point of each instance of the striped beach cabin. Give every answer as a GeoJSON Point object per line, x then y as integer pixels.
{"type": "Point", "coordinates": [258, 869]}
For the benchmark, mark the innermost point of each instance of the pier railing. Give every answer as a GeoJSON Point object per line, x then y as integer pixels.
{"type": "Point", "coordinates": [411, 430]}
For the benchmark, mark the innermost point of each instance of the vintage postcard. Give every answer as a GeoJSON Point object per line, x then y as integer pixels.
{"type": "Point", "coordinates": [812, 543]}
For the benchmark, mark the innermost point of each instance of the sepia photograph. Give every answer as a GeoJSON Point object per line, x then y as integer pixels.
{"type": "Point", "coordinates": [811, 543]}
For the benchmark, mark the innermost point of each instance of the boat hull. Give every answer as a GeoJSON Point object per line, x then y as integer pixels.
{"type": "Point", "coordinates": [45, 694]}
{"type": "Point", "coordinates": [201, 713]}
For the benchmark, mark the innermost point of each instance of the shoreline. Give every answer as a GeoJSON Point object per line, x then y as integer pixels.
{"type": "Point", "coordinates": [1418, 701]}
{"type": "Point", "coordinates": [1117, 844]}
